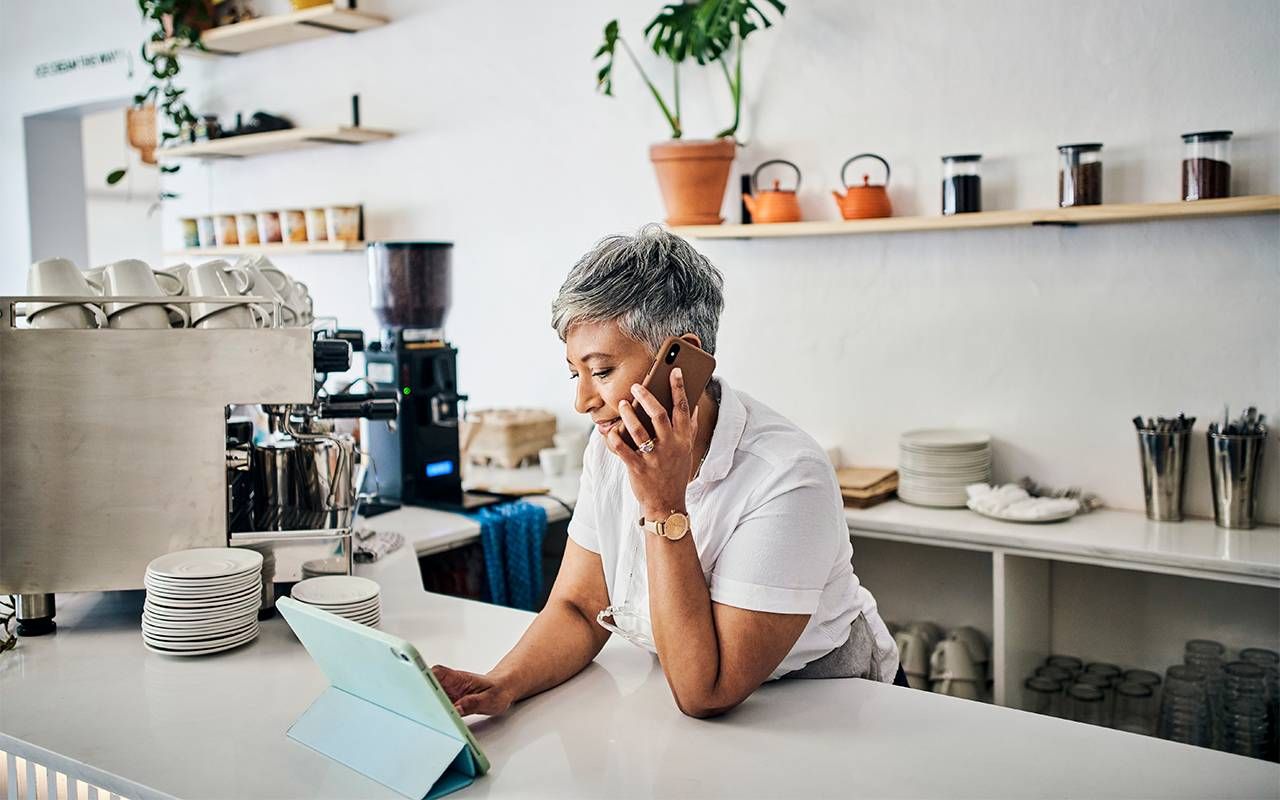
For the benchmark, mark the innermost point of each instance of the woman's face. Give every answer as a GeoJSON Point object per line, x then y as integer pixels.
{"type": "Point", "coordinates": [604, 363]}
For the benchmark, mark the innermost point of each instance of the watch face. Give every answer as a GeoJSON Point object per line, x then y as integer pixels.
{"type": "Point", "coordinates": [677, 525]}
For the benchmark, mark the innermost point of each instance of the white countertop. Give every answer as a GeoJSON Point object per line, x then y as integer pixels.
{"type": "Point", "coordinates": [214, 727]}
{"type": "Point", "coordinates": [1123, 538]}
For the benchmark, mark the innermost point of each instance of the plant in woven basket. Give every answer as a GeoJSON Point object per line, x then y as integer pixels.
{"type": "Point", "coordinates": [176, 24]}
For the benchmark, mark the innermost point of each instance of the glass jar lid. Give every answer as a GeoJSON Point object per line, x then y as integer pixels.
{"type": "Point", "coordinates": [1080, 148]}
{"type": "Point", "coordinates": [1207, 136]}
{"type": "Point", "coordinates": [964, 157]}
{"type": "Point", "coordinates": [1038, 683]}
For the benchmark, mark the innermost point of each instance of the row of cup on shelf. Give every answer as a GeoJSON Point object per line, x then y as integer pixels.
{"type": "Point", "coordinates": [955, 662]}
{"type": "Point", "coordinates": [1205, 701]}
{"type": "Point", "coordinates": [286, 226]}
{"type": "Point", "coordinates": [288, 301]}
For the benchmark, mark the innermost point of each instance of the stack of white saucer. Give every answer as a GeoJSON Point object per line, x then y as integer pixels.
{"type": "Point", "coordinates": [202, 601]}
{"type": "Point", "coordinates": [934, 466]}
{"type": "Point", "coordinates": [356, 599]}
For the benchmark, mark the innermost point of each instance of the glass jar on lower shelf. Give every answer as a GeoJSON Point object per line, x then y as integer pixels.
{"type": "Point", "coordinates": [1086, 704]}
{"type": "Point", "coordinates": [1135, 710]}
{"type": "Point", "coordinates": [1042, 696]}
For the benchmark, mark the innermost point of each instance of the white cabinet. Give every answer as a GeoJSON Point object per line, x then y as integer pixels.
{"type": "Point", "coordinates": [1107, 586]}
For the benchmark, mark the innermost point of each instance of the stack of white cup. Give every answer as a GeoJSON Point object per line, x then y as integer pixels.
{"type": "Point", "coordinates": [253, 276]}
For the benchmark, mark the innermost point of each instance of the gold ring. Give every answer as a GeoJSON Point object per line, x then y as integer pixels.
{"type": "Point", "coordinates": [646, 447]}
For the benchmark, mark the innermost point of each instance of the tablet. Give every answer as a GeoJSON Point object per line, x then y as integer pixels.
{"type": "Point", "coordinates": [388, 674]}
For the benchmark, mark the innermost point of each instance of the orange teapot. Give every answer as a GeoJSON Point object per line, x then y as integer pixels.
{"type": "Point", "coordinates": [773, 205]}
{"type": "Point", "coordinates": [865, 201]}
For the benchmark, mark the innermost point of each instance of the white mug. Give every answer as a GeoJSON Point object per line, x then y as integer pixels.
{"type": "Point", "coordinates": [950, 661]}
{"type": "Point", "coordinates": [553, 461]}
{"type": "Point", "coordinates": [58, 276]}
{"type": "Point", "coordinates": [217, 278]}
{"type": "Point", "coordinates": [143, 316]}
{"type": "Point", "coordinates": [574, 443]}
{"type": "Point", "coordinates": [263, 287]}
{"type": "Point", "coordinates": [913, 654]}
{"type": "Point", "coordinates": [131, 277]}
{"type": "Point", "coordinates": [234, 316]}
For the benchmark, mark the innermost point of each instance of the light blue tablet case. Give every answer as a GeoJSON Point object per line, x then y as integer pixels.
{"type": "Point", "coordinates": [384, 715]}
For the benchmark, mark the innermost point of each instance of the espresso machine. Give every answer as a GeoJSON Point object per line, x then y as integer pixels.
{"type": "Point", "coordinates": [116, 447]}
{"type": "Point", "coordinates": [418, 460]}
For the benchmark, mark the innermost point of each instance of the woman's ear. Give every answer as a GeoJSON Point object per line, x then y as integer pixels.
{"type": "Point", "coordinates": [692, 338]}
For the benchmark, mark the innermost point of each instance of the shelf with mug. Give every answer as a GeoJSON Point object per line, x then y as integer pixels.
{"type": "Point", "coordinates": [256, 144]}
{"type": "Point", "coordinates": [1012, 218]}
{"type": "Point", "coordinates": [287, 249]}
{"type": "Point", "coordinates": [274, 30]}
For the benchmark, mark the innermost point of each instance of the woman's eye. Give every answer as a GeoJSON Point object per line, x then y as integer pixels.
{"type": "Point", "coordinates": [604, 373]}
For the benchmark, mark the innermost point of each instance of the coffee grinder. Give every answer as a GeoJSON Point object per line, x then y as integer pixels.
{"type": "Point", "coordinates": [417, 460]}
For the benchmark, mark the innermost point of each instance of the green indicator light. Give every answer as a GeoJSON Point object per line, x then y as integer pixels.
{"type": "Point", "coordinates": [406, 390]}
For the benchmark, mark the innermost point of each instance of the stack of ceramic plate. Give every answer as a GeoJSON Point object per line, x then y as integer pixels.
{"type": "Point", "coordinates": [357, 599]}
{"type": "Point", "coordinates": [317, 567]}
{"type": "Point", "coordinates": [934, 466]}
{"type": "Point", "coordinates": [202, 601]}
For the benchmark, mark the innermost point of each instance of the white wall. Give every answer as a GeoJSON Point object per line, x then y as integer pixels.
{"type": "Point", "coordinates": [120, 224]}
{"type": "Point", "coordinates": [1051, 339]}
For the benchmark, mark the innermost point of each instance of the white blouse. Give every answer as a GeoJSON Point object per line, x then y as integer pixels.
{"type": "Point", "coordinates": [768, 521]}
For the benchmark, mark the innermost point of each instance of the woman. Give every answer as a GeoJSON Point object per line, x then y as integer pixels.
{"type": "Point", "coordinates": [761, 587]}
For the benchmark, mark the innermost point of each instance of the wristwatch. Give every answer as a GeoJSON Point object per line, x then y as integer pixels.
{"type": "Point", "coordinates": [673, 527]}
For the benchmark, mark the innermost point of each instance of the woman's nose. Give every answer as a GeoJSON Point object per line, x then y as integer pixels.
{"type": "Point", "coordinates": [585, 399]}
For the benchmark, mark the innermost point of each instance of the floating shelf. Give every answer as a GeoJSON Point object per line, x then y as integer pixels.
{"type": "Point", "coordinates": [297, 249]}
{"type": "Point", "coordinates": [1066, 217]}
{"type": "Point", "coordinates": [277, 29]}
{"type": "Point", "coordinates": [256, 144]}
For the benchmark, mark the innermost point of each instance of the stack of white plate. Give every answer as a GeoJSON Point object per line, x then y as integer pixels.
{"type": "Point", "coordinates": [348, 596]}
{"type": "Point", "coordinates": [935, 465]}
{"type": "Point", "coordinates": [202, 601]}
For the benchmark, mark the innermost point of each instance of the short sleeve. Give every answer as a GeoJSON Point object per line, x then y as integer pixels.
{"type": "Point", "coordinates": [782, 551]}
{"type": "Point", "coordinates": [583, 527]}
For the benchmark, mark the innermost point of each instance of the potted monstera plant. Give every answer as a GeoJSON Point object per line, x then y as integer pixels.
{"type": "Point", "coordinates": [692, 173]}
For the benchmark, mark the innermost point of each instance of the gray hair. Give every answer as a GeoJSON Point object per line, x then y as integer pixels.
{"type": "Point", "coordinates": [654, 284]}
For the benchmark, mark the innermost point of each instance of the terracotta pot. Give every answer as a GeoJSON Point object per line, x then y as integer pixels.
{"type": "Point", "coordinates": [693, 175]}
{"type": "Point", "coordinates": [141, 126]}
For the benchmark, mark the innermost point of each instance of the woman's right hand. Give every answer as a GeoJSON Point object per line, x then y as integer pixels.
{"type": "Point", "coordinates": [472, 693]}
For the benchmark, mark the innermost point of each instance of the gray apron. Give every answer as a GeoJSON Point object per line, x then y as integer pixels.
{"type": "Point", "coordinates": [856, 658]}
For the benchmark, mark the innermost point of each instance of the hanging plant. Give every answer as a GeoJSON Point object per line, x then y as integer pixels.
{"type": "Point", "coordinates": [176, 24]}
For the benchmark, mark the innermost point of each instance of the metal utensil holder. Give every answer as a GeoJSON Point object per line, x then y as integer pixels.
{"type": "Point", "coordinates": [1235, 461]}
{"type": "Point", "coordinates": [1164, 472]}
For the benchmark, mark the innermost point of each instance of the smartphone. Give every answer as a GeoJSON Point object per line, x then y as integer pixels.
{"type": "Point", "coordinates": [697, 365]}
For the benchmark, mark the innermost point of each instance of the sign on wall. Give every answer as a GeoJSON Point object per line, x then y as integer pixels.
{"type": "Point", "coordinates": [88, 61]}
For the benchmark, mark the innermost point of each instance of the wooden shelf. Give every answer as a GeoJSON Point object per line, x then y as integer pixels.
{"type": "Point", "coordinates": [278, 29]}
{"type": "Point", "coordinates": [1067, 217]}
{"type": "Point", "coordinates": [256, 144]}
{"type": "Point", "coordinates": [296, 249]}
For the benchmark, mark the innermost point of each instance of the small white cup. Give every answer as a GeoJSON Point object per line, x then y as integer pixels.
{"type": "Point", "coordinates": [130, 276]}
{"type": "Point", "coordinates": [262, 286]}
{"type": "Point", "coordinates": [574, 444]}
{"type": "Point", "coordinates": [553, 461]}
{"type": "Point", "coordinates": [240, 316]}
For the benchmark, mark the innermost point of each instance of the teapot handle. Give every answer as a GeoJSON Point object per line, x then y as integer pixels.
{"type": "Point", "coordinates": [845, 168]}
{"type": "Point", "coordinates": [755, 190]}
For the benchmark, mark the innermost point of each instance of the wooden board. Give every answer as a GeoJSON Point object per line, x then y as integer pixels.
{"type": "Point", "coordinates": [275, 30]}
{"type": "Point", "coordinates": [1079, 215]}
{"type": "Point", "coordinates": [274, 142]}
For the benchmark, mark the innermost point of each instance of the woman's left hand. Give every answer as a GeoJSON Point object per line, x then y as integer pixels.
{"type": "Point", "coordinates": [660, 477]}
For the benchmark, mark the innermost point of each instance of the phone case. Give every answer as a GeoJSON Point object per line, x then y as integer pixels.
{"type": "Point", "coordinates": [697, 365]}
{"type": "Point", "coordinates": [384, 714]}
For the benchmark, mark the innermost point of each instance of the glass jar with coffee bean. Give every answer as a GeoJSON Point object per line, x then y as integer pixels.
{"type": "Point", "coordinates": [1206, 165]}
{"type": "Point", "coordinates": [961, 184]}
{"type": "Point", "coordinates": [1079, 174]}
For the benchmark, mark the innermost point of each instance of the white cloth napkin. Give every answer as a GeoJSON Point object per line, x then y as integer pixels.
{"type": "Point", "coordinates": [1012, 502]}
